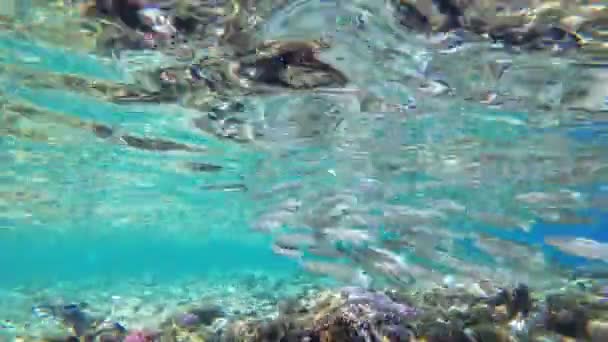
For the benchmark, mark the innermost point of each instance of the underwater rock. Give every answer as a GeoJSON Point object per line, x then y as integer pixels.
{"type": "Point", "coordinates": [543, 28]}
{"type": "Point", "coordinates": [207, 314]}
{"type": "Point", "coordinates": [72, 316]}
{"type": "Point", "coordinates": [517, 301]}
{"type": "Point", "coordinates": [443, 332]}
{"type": "Point", "coordinates": [290, 64]}
{"type": "Point", "coordinates": [290, 306]}
{"type": "Point", "coordinates": [571, 323]}
{"type": "Point", "coordinates": [488, 333]}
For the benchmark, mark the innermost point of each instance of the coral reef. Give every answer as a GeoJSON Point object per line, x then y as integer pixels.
{"type": "Point", "coordinates": [578, 310]}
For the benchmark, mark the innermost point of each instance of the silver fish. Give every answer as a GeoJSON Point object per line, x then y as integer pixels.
{"type": "Point", "coordinates": [338, 271]}
{"type": "Point", "coordinates": [289, 252]}
{"type": "Point", "coordinates": [295, 240]}
{"type": "Point", "coordinates": [582, 247]}
{"type": "Point", "coordinates": [560, 199]}
{"type": "Point", "coordinates": [355, 236]}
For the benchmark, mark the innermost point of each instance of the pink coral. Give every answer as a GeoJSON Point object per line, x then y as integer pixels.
{"type": "Point", "coordinates": [137, 336]}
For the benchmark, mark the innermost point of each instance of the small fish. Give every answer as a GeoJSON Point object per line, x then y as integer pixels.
{"type": "Point", "coordinates": [508, 251]}
{"type": "Point", "coordinates": [291, 205]}
{"type": "Point", "coordinates": [326, 250]}
{"type": "Point", "coordinates": [288, 251]}
{"type": "Point", "coordinates": [448, 206]}
{"type": "Point", "coordinates": [384, 263]}
{"type": "Point", "coordinates": [203, 167]}
{"type": "Point", "coordinates": [563, 198]}
{"type": "Point", "coordinates": [295, 240]}
{"type": "Point", "coordinates": [281, 187]}
{"type": "Point", "coordinates": [401, 214]}
{"type": "Point", "coordinates": [226, 187]}
{"type": "Point", "coordinates": [497, 220]}
{"type": "Point", "coordinates": [272, 221]}
{"type": "Point", "coordinates": [153, 144]}
{"type": "Point", "coordinates": [565, 216]}
{"type": "Point", "coordinates": [581, 247]}
{"type": "Point", "coordinates": [42, 311]}
{"type": "Point", "coordinates": [338, 271]}
{"type": "Point", "coordinates": [355, 236]}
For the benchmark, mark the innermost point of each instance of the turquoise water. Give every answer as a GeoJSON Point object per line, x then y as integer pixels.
{"type": "Point", "coordinates": [80, 227]}
{"type": "Point", "coordinates": [74, 207]}
{"type": "Point", "coordinates": [46, 259]}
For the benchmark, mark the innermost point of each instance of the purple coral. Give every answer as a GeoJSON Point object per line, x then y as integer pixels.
{"type": "Point", "coordinates": [378, 302]}
{"type": "Point", "coordinates": [188, 320]}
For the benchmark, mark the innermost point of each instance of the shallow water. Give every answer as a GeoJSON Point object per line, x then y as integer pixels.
{"type": "Point", "coordinates": [75, 207]}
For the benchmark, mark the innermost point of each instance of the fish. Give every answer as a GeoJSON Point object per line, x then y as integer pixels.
{"type": "Point", "coordinates": [502, 221]}
{"type": "Point", "coordinates": [326, 250]}
{"type": "Point", "coordinates": [561, 199]}
{"type": "Point", "coordinates": [339, 271]}
{"type": "Point", "coordinates": [287, 251]}
{"type": "Point", "coordinates": [152, 144]}
{"type": "Point", "coordinates": [273, 221]}
{"type": "Point", "coordinates": [295, 240]}
{"type": "Point", "coordinates": [509, 252]}
{"type": "Point", "coordinates": [385, 264]}
{"type": "Point", "coordinates": [581, 247]}
{"type": "Point", "coordinates": [203, 167]}
{"type": "Point", "coordinates": [401, 214]}
{"type": "Point", "coordinates": [43, 311]}
{"type": "Point", "coordinates": [141, 143]}
{"type": "Point", "coordinates": [564, 216]}
{"type": "Point", "coordinates": [236, 187]}
{"type": "Point", "coordinates": [447, 205]}
{"type": "Point", "coordinates": [355, 236]}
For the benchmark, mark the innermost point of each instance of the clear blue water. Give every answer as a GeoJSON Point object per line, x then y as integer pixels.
{"type": "Point", "coordinates": [47, 258]}
{"type": "Point", "coordinates": [75, 207]}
